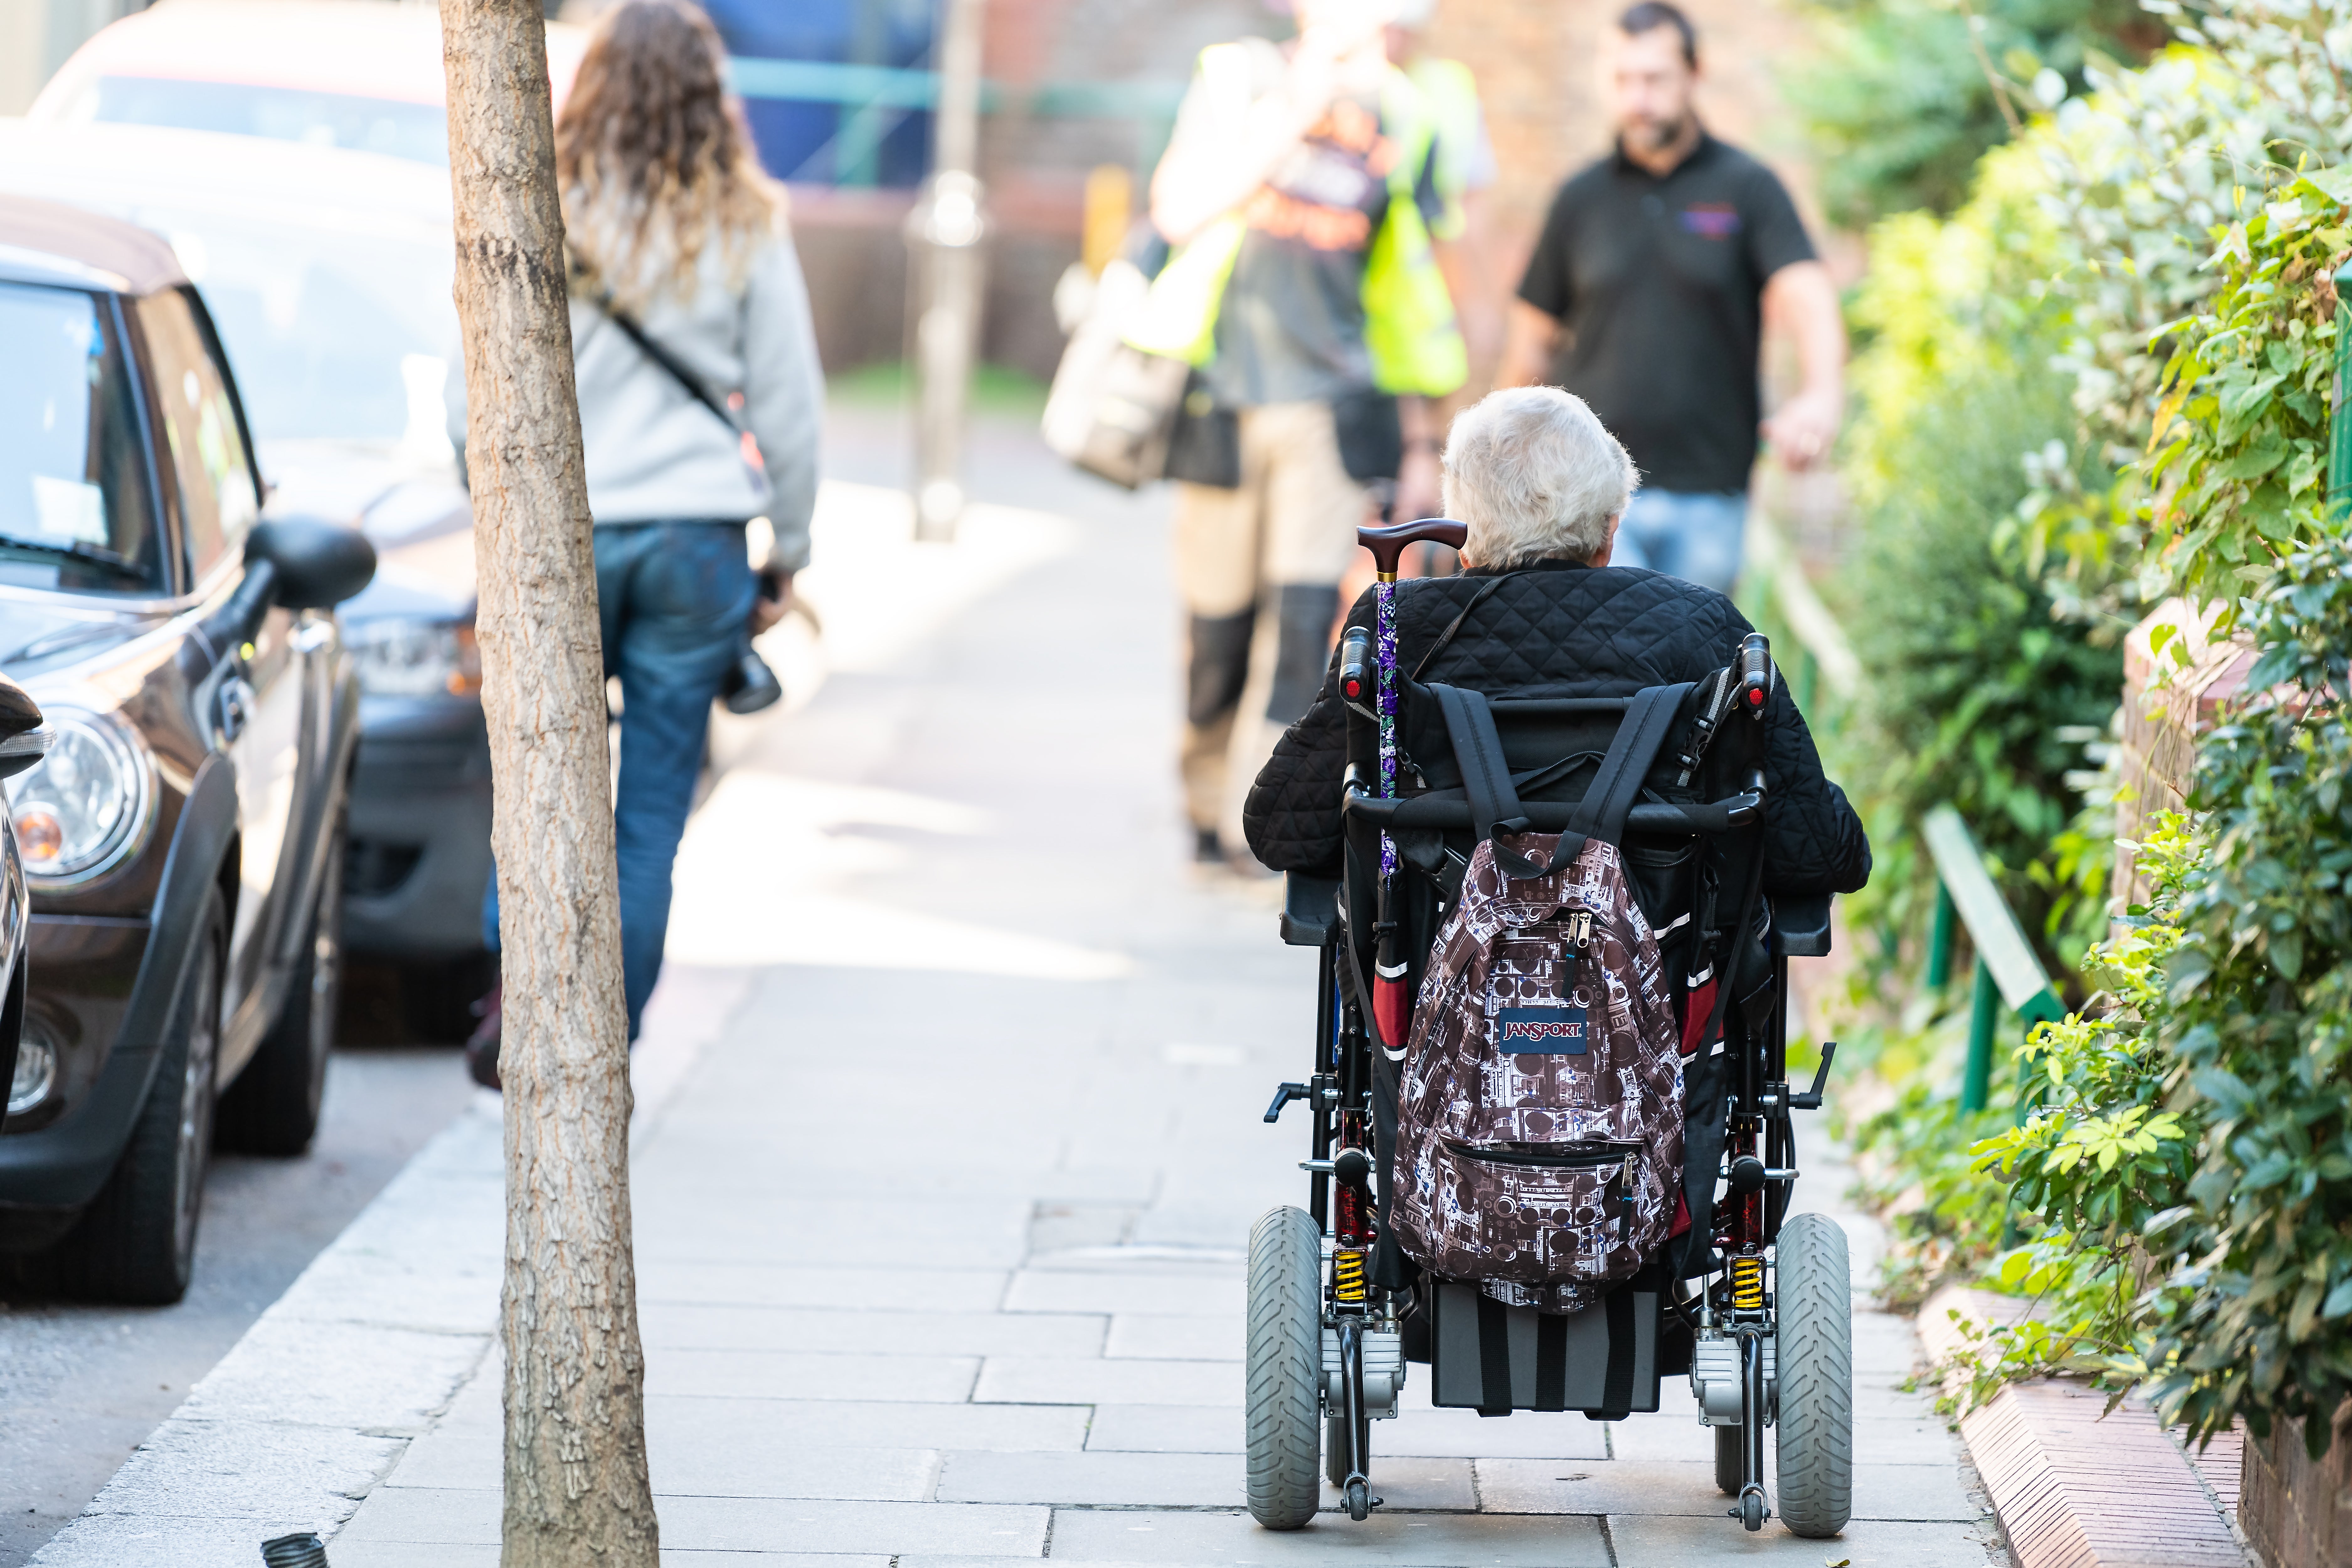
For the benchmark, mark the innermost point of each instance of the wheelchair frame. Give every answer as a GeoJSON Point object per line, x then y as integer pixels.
{"type": "Point", "coordinates": [1734, 1319]}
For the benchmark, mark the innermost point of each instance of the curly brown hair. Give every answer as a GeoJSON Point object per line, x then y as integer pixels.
{"type": "Point", "coordinates": [653, 158]}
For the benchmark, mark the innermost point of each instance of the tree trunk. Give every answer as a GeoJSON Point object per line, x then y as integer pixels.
{"type": "Point", "coordinates": [576, 1486]}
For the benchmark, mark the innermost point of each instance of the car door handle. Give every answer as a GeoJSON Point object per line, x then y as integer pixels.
{"type": "Point", "coordinates": [235, 703]}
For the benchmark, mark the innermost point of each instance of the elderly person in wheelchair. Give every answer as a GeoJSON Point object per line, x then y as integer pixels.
{"type": "Point", "coordinates": [1541, 485]}
{"type": "Point", "coordinates": [1555, 828]}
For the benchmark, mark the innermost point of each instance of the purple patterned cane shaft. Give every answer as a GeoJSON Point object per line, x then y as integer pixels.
{"type": "Point", "coordinates": [1385, 655]}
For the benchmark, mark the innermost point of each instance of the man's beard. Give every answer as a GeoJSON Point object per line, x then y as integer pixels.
{"type": "Point", "coordinates": [1657, 136]}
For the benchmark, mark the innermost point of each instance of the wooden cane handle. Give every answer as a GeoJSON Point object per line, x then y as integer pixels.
{"type": "Point", "coordinates": [1388, 543]}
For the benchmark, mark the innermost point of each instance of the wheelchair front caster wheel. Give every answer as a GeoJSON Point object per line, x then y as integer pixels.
{"type": "Point", "coordinates": [1751, 1509]}
{"type": "Point", "coordinates": [1359, 1502]}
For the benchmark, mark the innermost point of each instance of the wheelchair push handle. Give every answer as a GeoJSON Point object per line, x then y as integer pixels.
{"type": "Point", "coordinates": [1388, 544]}
{"type": "Point", "coordinates": [1755, 674]}
{"type": "Point", "coordinates": [1357, 674]}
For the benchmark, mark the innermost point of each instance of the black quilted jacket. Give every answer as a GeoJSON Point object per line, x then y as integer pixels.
{"type": "Point", "coordinates": [1561, 628]}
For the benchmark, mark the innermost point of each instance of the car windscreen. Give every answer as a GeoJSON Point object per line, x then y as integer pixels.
{"type": "Point", "coordinates": [76, 509]}
{"type": "Point", "coordinates": [390, 126]}
{"type": "Point", "coordinates": [338, 327]}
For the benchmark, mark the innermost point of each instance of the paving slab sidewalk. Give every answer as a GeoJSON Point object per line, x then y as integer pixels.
{"type": "Point", "coordinates": [939, 1229]}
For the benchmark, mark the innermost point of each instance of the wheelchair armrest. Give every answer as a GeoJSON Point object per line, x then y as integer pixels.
{"type": "Point", "coordinates": [1310, 907]}
{"type": "Point", "coordinates": [1803, 925]}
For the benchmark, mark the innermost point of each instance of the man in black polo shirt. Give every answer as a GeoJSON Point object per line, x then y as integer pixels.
{"type": "Point", "coordinates": [1647, 296]}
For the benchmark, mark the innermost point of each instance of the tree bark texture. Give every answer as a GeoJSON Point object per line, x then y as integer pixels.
{"type": "Point", "coordinates": [576, 1487]}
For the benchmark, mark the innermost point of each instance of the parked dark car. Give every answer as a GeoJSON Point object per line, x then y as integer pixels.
{"type": "Point", "coordinates": [328, 271]}
{"type": "Point", "coordinates": [23, 741]}
{"type": "Point", "coordinates": [183, 836]}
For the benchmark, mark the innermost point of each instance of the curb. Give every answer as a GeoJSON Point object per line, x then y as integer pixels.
{"type": "Point", "coordinates": [367, 1349]}
{"type": "Point", "coordinates": [2077, 1487]}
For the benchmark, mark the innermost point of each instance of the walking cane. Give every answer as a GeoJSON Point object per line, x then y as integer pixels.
{"type": "Point", "coordinates": [1392, 1007]}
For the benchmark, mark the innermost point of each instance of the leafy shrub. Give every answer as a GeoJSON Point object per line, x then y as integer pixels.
{"type": "Point", "coordinates": [2195, 1213]}
{"type": "Point", "coordinates": [1973, 685]}
{"type": "Point", "coordinates": [1898, 104]}
{"type": "Point", "coordinates": [2098, 1159]}
{"type": "Point", "coordinates": [2258, 1013]}
{"type": "Point", "coordinates": [2241, 445]}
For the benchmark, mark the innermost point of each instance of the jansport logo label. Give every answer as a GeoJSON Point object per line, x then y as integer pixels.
{"type": "Point", "coordinates": [1540, 1031]}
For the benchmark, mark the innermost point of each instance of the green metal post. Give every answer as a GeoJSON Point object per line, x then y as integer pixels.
{"type": "Point", "coordinates": [1984, 1011]}
{"type": "Point", "coordinates": [2340, 428]}
{"type": "Point", "coordinates": [1939, 940]}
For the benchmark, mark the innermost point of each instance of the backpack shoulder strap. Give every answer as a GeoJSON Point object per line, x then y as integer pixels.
{"type": "Point", "coordinates": [1603, 811]}
{"type": "Point", "coordinates": [1486, 774]}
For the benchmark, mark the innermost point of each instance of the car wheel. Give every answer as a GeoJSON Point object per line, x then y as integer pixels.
{"type": "Point", "coordinates": [273, 1106]}
{"type": "Point", "coordinates": [137, 1241]}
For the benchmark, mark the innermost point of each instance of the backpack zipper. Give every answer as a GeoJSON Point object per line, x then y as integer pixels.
{"type": "Point", "coordinates": [1586, 1156]}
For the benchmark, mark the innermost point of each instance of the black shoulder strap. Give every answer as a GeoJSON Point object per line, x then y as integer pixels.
{"type": "Point", "coordinates": [1603, 811]}
{"type": "Point", "coordinates": [1486, 775]}
{"type": "Point", "coordinates": [1453, 626]}
{"type": "Point", "coordinates": [1495, 799]}
{"type": "Point", "coordinates": [667, 361]}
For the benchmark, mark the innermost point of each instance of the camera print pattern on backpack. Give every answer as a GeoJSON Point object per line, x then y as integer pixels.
{"type": "Point", "coordinates": [1540, 1126]}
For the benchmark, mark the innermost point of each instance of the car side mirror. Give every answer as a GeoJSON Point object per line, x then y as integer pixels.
{"type": "Point", "coordinates": [317, 564]}
{"type": "Point", "coordinates": [23, 737]}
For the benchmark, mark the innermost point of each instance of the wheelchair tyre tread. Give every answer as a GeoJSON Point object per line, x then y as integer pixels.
{"type": "Point", "coordinates": [1726, 1460]}
{"type": "Point", "coordinates": [1814, 1434]}
{"type": "Point", "coordinates": [1284, 1369]}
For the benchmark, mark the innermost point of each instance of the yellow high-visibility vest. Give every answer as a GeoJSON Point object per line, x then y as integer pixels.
{"type": "Point", "coordinates": [1410, 334]}
{"type": "Point", "coordinates": [1452, 93]}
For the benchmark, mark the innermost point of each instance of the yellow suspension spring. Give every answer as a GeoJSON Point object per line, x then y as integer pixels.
{"type": "Point", "coordinates": [1347, 1275]}
{"type": "Point", "coordinates": [1747, 1284]}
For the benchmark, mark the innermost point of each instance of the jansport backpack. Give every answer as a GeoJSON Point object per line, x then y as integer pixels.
{"type": "Point", "coordinates": [1539, 1119]}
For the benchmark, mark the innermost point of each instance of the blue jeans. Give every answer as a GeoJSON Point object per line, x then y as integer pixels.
{"type": "Point", "coordinates": [1693, 535]}
{"type": "Point", "coordinates": [673, 599]}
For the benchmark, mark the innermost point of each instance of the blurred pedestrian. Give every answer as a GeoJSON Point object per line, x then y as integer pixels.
{"type": "Point", "coordinates": [1647, 297]}
{"type": "Point", "coordinates": [1465, 173]}
{"type": "Point", "coordinates": [1299, 192]}
{"type": "Point", "coordinates": [700, 408]}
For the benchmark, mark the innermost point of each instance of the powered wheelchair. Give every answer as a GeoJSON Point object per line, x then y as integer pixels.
{"type": "Point", "coordinates": [1748, 1301]}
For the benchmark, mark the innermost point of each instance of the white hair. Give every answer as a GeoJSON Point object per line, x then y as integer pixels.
{"type": "Point", "coordinates": [1534, 474]}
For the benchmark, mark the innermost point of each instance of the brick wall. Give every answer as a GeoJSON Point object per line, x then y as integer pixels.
{"type": "Point", "coordinates": [2297, 1513]}
{"type": "Point", "coordinates": [1535, 63]}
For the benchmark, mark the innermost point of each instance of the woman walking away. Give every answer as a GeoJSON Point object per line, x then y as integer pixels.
{"type": "Point", "coordinates": [700, 409]}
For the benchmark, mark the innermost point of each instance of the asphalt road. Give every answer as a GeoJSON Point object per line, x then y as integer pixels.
{"type": "Point", "coordinates": [81, 1386]}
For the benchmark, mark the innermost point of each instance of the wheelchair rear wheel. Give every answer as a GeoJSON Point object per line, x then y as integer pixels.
{"type": "Point", "coordinates": [1815, 1429]}
{"type": "Point", "coordinates": [1285, 1368]}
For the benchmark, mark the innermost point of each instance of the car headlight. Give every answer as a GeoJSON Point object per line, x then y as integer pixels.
{"type": "Point", "coordinates": [397, 657]}
{"type": "Point", "coordinates": [86, 806]}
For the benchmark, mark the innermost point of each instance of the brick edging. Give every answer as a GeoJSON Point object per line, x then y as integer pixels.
{"type": "Point", "coordinates": [2075, 1486]}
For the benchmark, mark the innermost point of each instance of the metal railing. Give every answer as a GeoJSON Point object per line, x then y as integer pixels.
{"type": "Point", "coordinates": [2007, 970]}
